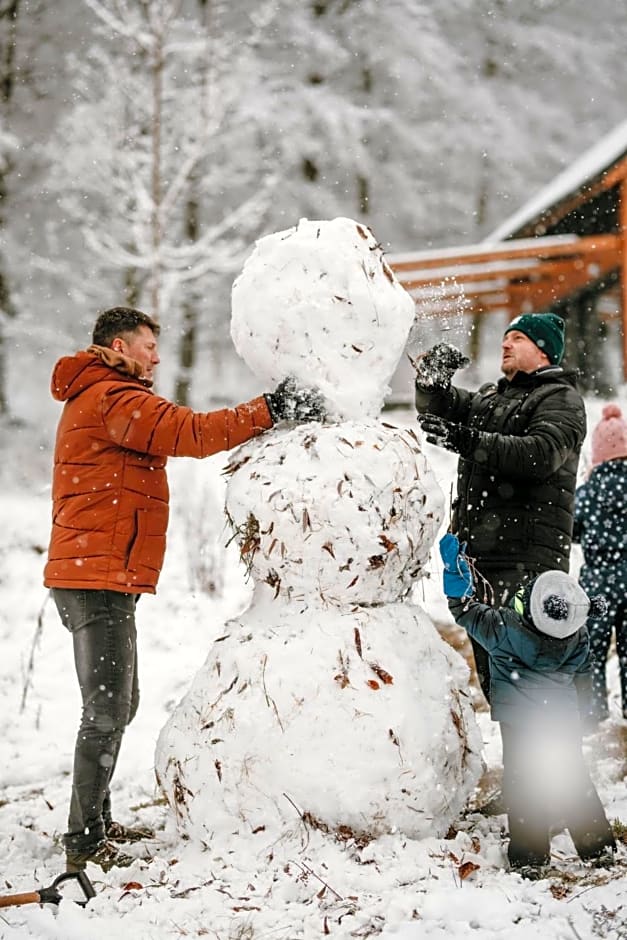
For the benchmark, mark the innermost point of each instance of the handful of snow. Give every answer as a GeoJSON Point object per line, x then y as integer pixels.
{"type": "Point", "coordinates": [436, 367]}
{"type": "Point", "coordinates": [319, 302]}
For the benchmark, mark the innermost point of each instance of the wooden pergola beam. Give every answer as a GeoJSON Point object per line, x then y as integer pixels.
{"type": "Point", "coordinates": [534, 248]}
{"type": "Point", "coordinates": [509, 277]}
{"type": "Point", "coordinates": [562, 269]}
{"type": "Point", "coordinates": [512, 298]}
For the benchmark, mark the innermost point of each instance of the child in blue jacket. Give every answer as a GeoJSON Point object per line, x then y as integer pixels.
{"type": "Point", "coordinates": [540, 678]}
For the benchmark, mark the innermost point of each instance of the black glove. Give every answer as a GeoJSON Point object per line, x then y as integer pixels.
{"type": "Point", "coordinates": [435, 368]}
{"type": "Point", "coordinates": [455, 437]}
{"type": "Point", "coordinates": [290, 402]}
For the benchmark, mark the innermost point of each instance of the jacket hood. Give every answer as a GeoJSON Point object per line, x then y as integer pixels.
{"type": "Point", "coordinates": [73, 374]}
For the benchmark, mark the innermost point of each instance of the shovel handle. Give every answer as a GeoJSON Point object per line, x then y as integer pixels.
{"type": "Point", "coordinates": [13, 900]}
{"type": "Point", "coordinates": [50, 895]}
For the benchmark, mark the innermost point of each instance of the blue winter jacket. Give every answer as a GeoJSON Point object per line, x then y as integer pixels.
{"type": "Point", "coordinates": [533, 677]}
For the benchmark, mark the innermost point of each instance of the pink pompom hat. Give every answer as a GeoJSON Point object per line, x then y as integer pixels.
{"type": "Point", "coordinates": [609, 438]}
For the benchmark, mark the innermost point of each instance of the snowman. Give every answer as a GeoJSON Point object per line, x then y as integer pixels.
{"type": "Point", "coordinates": [332, 697]}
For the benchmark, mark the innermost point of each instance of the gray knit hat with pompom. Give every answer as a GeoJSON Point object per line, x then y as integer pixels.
{"type": "Point", "coordinates": [558, 605]}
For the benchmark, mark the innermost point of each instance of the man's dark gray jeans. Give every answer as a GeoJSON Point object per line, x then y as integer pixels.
{"type": "Point", "coordinates": [102, 624]}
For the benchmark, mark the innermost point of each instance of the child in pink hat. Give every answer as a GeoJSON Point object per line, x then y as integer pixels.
{"type": "Point", "coordinates": [600, 526]}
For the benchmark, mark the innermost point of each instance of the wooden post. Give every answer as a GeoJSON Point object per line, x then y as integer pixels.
{"type": "Point", "coordinates": [622, 209]}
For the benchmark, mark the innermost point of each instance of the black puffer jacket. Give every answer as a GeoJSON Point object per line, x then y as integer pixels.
{"type": "Point", "coordinates": [517, 475]}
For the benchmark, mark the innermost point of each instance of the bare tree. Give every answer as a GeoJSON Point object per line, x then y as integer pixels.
{"type": "Point", "coordinates": [9, 12]}
{"type": "Point", "coordinates": [159, 190]}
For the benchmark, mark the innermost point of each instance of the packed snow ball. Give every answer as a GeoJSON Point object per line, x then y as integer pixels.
{"type": "Point", "coordinates": [351, 521]}
{"type": "Point", "coordinates": [355, 720]}
{"type": "Point", "coordinates": [319, 302]}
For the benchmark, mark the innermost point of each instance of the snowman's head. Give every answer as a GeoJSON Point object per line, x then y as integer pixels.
{"type": "Point", "coordinates": [319, 302]}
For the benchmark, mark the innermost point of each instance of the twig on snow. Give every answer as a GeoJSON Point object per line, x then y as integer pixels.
{"type": "Point", "coordinates": [569, 921]}
{"type": "Point", "coordinates": [30, 667]}
{"type": "Point", "coordinates": [310, 871]}
{"type": "Point", "coordinates": [269, 700]}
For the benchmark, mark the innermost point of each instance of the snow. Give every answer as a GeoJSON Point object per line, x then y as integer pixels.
{"type": "Point", "coordinates": [335, 523]}
{"type": "Point", "coordinates": [315, 715]}
{"type": "Point", "coordinates": [314, 733]}
{"type": "Point", "coordinates": [394, 886]}
{"type": "Point", "coordinates": [329, 310]}
{"type": "Point", "coordinates": [353, 525]}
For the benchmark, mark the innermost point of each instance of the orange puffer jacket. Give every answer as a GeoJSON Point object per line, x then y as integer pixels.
{"type": "Point", "coordinates": [110, 490]}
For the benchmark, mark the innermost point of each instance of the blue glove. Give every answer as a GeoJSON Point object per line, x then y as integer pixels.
{"type": "Point", "coordinates": [457, 577]}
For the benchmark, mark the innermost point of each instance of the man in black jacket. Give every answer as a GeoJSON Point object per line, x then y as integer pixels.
{"type": "Point", "coordinates": [518, 443]}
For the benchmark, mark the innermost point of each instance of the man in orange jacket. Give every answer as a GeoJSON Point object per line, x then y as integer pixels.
{"type": "Point", "coordinates": [110, 516]}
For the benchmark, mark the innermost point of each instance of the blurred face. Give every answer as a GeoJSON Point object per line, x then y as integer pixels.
{"type": "Point", "coordinates": [140, 345]}
{"type": "Point", "coordinates": [520, 354]}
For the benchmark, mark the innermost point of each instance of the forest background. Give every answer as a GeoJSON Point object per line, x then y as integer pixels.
{"type": "Point", "coordinates": [146, 144]}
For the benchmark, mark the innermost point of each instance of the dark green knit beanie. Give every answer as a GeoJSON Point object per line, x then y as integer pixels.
{"type": "Point", "coordinates": [546, 330]}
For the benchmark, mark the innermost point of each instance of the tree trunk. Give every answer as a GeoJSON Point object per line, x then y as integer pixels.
{"type": "Point", "coordinates": [188, 341]}
{"type": "Point", "coordinates": [477, 319]}
{"type": "Point", "coordinates": [188, 345]}
{"type": "Point", "coordinates": [584, 344]}
{"type": "Point", "coordinates": [187, 353]}
{"type": "Point", "coordinates": [157, 105]}
{"type": "Point", "coordinates": [8, 14]}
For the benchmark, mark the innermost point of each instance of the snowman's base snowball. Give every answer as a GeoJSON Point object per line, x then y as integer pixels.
{"type": "Point", "coordinates": [358, 721]}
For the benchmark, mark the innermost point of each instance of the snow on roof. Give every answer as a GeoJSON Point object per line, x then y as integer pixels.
{"type": "Point", "coordinates": [589, 166]}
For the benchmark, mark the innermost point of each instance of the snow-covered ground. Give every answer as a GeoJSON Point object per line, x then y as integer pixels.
{"type": "Point", "coordinates": [307, 884]}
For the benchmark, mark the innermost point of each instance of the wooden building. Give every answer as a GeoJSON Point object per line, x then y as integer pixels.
{"type": "Point", "coordinates": [565, 250]}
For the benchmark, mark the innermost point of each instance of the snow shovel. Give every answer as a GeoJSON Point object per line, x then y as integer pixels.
{"type": "Point", "coordinates": [51, 895]}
